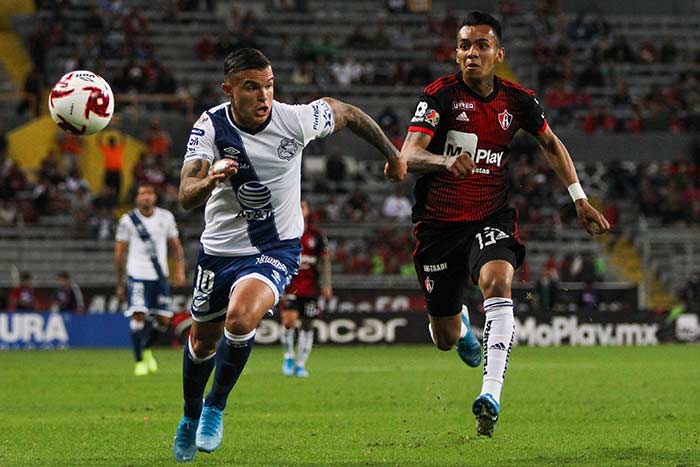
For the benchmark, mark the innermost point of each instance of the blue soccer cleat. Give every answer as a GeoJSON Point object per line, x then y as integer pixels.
{"type": "Point", "coordinates": [184, 446]}
{"type": "Point", "coordinates": [300, 372]}
{"type": "Point", "coordinates": [288, 367]}
{"type": "Point", "coordinates": [468, 347]}
{"type": "Point", "coordinates": [486, 410]}
{"type": "Point", "coordinates": [211, 428]}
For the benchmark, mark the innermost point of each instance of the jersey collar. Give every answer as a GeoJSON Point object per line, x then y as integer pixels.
{"type": "Point", "coordinates": [250, 131]}
{"type": "Point", "coordinates": [490, 97]}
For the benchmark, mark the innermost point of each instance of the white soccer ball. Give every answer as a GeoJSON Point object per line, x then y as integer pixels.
{"type": "Point", "coordinates": [81, 102]}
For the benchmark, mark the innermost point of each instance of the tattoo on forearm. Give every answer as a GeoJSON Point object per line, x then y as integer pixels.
{"type": "Point", "coordinates": [363, 126]}
{"type": "Point", "coordinates": [195, 169]}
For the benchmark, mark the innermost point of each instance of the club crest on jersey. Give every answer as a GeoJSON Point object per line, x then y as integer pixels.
{"type": "Point", "coordinates": [429, 284]}
{"type": "Point", "coordinates": [431, 117]}
{"type": "Point", "coordinates": [287, 149]}
{"type": "Point", "coordinates": [505, 119]}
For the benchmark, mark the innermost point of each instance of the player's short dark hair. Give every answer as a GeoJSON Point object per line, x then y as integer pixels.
{"type": "Point", "coordinates": [245, 59]}
{"type": "Point", "coordinates": [475, 18]}
{"type": "Point", "coordinates": [63, 275]}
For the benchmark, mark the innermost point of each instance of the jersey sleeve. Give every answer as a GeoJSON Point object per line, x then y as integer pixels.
{"type": "Point", "coordinates": [427, 115]}
{"type": "Point", "coordinates": [201, 145]}
{"type": "Point", "coordinates": [123, 229]}
{"type": "Point", "coordinates": [172, 226]}
{"type": "Point", "coordinates": [316, 120]}
{"type": "Point", "coordinates": [532, 119]}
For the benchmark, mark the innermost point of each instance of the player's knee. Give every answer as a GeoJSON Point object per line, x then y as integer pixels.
{"type": "Point", "coordinates": [241, 320]}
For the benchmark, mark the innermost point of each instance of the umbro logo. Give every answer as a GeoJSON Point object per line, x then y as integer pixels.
{"type": "Point", "coordinates": [231, 151]}
{"type": "Point", "coordinates": [498, 346]}
{"type": "Point", "coordinates": [463, 117]}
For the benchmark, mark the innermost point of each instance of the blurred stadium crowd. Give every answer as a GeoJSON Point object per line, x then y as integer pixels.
{"type": "Point", "coordinates": [591, 76]}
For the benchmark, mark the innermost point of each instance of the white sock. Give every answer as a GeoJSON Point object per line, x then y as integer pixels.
{"type": "Point", "coordinates": [498, 340]}
{"type": "Point", "coordinates": [306, 342]}
{"type": "Point", "coordinates": [287, 340]}
{"type": "Point", "coordinates": [462, 330]}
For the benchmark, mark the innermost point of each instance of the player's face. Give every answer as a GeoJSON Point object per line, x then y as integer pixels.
{"type": "Point", "coordinates": [251, 93]}
{"type": "Point", "coordinates": [478, 51]}
{"type": "Point", "coordinates": [146, 198]}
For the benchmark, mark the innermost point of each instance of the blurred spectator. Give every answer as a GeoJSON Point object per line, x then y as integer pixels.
{"type": "Point", "coordinates": [70, 147]}
{"type": "Point", "coordinates": [22, 297]}
{"type": "Point", "coordinates": [336, 170]}
{"type": "Point", "coordinates": [397, 206]}
{"type": "Point", "coordinates": [157, 139]}
{"type": "Point", "coordinates": [206, 47]}
{"type": "Point", "coordinates": [112, 145]}
{"type": "Point", "coordinates": [33, 88]}
{"type": "Point", "coordinates": [357, 206]}
{"type": "Point", "coordinates": [8, 211]}
{"type": "Point", "coordinates": [67, 297]}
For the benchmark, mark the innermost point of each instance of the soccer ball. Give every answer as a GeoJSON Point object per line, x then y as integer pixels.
{"type": "Point", "coordinates": [81, 102]}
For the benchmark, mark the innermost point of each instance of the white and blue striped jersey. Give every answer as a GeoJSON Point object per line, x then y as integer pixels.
{"type": "Point", "coordinates": [258, 208]}
{"type": "Point", "coordinates": [161, 226]}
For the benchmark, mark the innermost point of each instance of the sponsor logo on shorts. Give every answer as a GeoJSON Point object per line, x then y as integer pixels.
{"type": "Point", "coordinates": [434, 267]}
{"type": "Point", "coordinates": [265, 259]}
{"type": "Point", "coordinates": [429, 284]}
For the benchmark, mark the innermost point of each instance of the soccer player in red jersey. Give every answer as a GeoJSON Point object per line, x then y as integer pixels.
{"type": "Point", "coordinates": [301, 298]}
{"type": "Point", "coordinates": [459, 141]}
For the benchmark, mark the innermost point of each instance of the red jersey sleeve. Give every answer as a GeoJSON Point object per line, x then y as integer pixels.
{"type": "Point", "coordinates": [427, 116]}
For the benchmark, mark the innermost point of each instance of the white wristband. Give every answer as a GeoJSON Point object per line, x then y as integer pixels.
{"type": "Point", "coordinates": [576, 192]}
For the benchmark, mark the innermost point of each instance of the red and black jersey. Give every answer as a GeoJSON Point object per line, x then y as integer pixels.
{"type": "Point", "coordinates": [314, 246]}
{"type": "Point", "coordinates": [459, 120]}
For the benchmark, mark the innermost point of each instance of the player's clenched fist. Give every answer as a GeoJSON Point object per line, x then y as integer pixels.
{"type": "Point", "coordinates": [461, 165]}
{"type": "Point", "coordinates": [396, 170]}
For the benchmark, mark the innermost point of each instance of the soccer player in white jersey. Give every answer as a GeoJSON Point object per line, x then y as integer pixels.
{"type": "Point", "coordinates": [250, 246]}
{"type": "Point", "coordinates": [147, 233]}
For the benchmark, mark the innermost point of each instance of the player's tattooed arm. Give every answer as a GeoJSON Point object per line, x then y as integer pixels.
{"type": "Point", "coordinates": [197, 181]}
{"type": "Point", "coordinates": [365, 127]}
{"type": "Point", "coordinates": [420, 160]}
{"type": "Point", "coordinates": [560, 160]}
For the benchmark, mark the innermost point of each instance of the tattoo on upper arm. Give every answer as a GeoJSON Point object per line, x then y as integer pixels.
{"type": "Point", "coordinates": [195, 169]}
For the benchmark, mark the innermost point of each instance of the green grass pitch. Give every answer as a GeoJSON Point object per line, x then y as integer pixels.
{"type": "Point", "coordinates": [362, 406]}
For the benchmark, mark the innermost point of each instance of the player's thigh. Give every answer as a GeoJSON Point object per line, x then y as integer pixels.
{"type": "Point", "coordinates": [137, 296]}
{"type": "Point", "coordinates": [494, 243]}
{"type": "Point", "coordinates": [442, 280]}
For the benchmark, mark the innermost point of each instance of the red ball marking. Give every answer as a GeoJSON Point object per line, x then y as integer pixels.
{"type": "Point", "coordinates": [97, 103]}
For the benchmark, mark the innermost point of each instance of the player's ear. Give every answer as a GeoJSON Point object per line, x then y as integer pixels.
{"type": "Point", "coordinates": [227, 88]}
{"type": "Point", "coordinates": [500, 55]}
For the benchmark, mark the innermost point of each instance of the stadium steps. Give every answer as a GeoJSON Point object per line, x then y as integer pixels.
{"type": "Point", "coordinates": [627, 259]}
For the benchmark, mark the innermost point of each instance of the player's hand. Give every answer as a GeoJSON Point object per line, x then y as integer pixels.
{"type": "Point", "coordinates": [396, 170]}
{"type": "Point", "coordinates": [219, 172]}
{"type": "Point", "coordinates": [591, 219]}
{"type": "Point", "coordinates": [461, 166]}
{"type": "Point", "coordinates": [327, 292]}
{"type": "Point", "coordinates": [178, 279]}
{"type": "Point", "coordinates": [121, 293]}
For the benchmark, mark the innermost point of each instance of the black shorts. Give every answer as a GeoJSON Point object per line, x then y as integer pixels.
{"type": "Point", "coordinates": [447, 254]}
{"type": "Point", "coordinates": [306, 306]}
